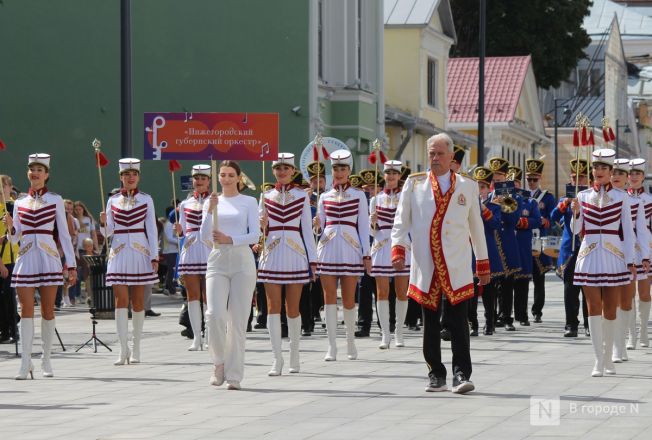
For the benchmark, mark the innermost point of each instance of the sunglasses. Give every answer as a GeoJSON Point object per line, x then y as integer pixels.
{"type": "Point", "coordinates": [532, 179]}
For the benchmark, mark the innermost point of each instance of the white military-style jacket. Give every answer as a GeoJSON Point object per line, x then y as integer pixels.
{"type": "Point", "coordinates": [131, 220]}
{"type": "Point", "coordinates": [440, 226]}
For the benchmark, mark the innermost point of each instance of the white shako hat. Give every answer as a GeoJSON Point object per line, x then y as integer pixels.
{"type": "Point", "coordinates": [202, 169]}
{"type": "Point", "coordinates": [638, 164]}
{"type": "Point", "coordinates": [341, 157]}
{"type": "Point", "coordinates": [284, 159]}
{"type": "Point", "coordinates": [392, 165]}
{"type": "Point", "coordinates": [605, 156]}
{"type": "Point", "coordinates": [128, 164]}
{"type": "Point", "coordinates": [39, 159]}
{"type": "Point", "coordinates": [622, 165]}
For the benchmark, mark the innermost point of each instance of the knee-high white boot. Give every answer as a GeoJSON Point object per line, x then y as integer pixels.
{"type": "Point", "coordinates": [401, 312]}
{"type": "Point", "coordinates": [595, 326]}
{"type": "Point", "coordinates": [621, 333]}
{"type": "Point", "coordinates": [47, 334]}
{"type": "Point", "coordinates": [194, 313]}
{"type": "Point", "coordinates": [631, 327]}
{"type": "Point", "coordinates": [383, 314]}
{"type": "Point", "coordinates": [608, 331]}
{"type": "Point", "coordinates": [294, 332]}
{"type": "Point", "coordinates": [331, 328]}
{"type": "Point", "coordinates": [137, 321]}
{"type": "Point", "coordinates": [644, 310]}
{"type": "Point", "coordinates": [616, 356]}
{"type": "Point", "coordinates": [349, 322]}
{"type": "Point", "coordinates": [26, 338]}
{"type": "Point", "coordinates": [274, 328]}
{"type": "Point", "coordinates": [121, 325]}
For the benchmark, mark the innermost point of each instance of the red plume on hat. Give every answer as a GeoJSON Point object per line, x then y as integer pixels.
{"type": "Point", "coordinates": [174, 166]}
{"type": "Point", "coordinates": [2, 145]}
{"type": "Point", "coordinates": [576, 138]}
{"type": "Point", "coordinates": [591, 139]}
{"type": "Point", "coordinates": [373, 158]}
{"type": "Point", "coordinates": [315, 152]}
{"type": "Point", "coordinates": [585, 138]}
{"type": "Point", "coordinates": [100, 159]}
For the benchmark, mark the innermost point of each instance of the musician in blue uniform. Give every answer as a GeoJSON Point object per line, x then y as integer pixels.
{"type": "Point", "coordinates": [507, 245]}
{"type": "Point", "coordinates": [542, 263]}
{"type": "Point", "coordinates": [530, 219]}
{"type": "Point", "coordinates": [491, 218]}
{"type": "Point", "coordinates": [562, 215]}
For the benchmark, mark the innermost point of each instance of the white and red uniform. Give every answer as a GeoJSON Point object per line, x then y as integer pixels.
{"type": "Point", "coordinates": [130, 219]}
{"type": "Point", "coordinates": [343, 216]}
{"type": "Point", "coordinates": [642, 219]}
{"type": "Point", "coordinates": [194, 253]}
{"type": "Point", "coordinates": [289, 245]}
{"type": "Point", "coordinates": [37, 215]}
{"type": "Point", "coordinates": [608, 244]}
{"type": "Point", "coordinates": [384, 205]}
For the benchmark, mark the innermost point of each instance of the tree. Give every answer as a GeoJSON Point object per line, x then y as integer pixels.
{"type": "Point", "coordinates": [550, 30]}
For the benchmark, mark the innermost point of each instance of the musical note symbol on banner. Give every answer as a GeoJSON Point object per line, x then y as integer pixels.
{"type": "Point", "coordinates": [262, 149]}
{"type": "Point", "coordinates": [246, 118]}
{"type": "Point", "coordinates": [158, 122]}
{"type": "Point", "coordinates": [188, 117]}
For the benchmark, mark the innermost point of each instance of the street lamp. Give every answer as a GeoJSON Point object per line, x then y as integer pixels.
{"type": "Point", "coordinates": [567, 112]}
{"type": "Point", "coordinates": [627, 130]}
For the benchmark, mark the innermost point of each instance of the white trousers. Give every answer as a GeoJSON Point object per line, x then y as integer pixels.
{"type": "Point", "coordinates": [230, 283]}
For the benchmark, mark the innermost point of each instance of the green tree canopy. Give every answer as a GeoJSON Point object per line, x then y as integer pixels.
{"type": "Point", "coordinates": [550, 30]}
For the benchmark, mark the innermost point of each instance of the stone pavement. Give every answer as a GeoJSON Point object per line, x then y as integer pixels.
{"type": "Point", "coordinates": [378, 396]}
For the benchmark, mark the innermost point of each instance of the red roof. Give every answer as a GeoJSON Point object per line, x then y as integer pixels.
{"type": "Point", "coordinates": [504, 80]}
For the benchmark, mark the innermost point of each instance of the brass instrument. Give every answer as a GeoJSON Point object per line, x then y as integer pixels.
{"type": "Point", "coordinates": [507, 204]}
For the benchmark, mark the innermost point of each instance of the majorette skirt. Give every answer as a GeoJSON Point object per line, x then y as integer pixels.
{"type": "Point", "coordinates": [600, 268]}
{"type": "Point", "coordinates": [35, 268]}
{"type": "Point", "coordinates": [129, 267]}
{"type": "Point", "coordinates": [194, 256]}
{"type": "Point", "coordinates": [336, 256]}
{"type": "Point", "coordinates": [381, 260]}
{"type": "Point", "coordinates": [639, 263]}
{"type": "Point", "coordinates": [281, 263]}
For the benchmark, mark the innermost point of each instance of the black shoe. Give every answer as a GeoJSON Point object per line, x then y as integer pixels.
{"type": "Point", "coordinates": [509, 327]}
{"type": "Point", "coordinates": [151, 313]}
{"type": "Point", "coordinates": [474, 332]}
{"type": "Point", "coordinates": [187, 332]}
{"type": "Point", "coordinates": [318, 318]}
{"type": "Point", "coordinates": [259, 326]}
{"type": "Point", "coordinates": [436, 384]}
{"type": "Point", "coordinates": [362, 333]}
{"type": "Point", "coordinates": [284, 331]}
{"type": "Point", "coordinates": [249, 330]}
{"type": "Point", "coordinates": [4, 337]}
{"type": "Point", "coordinates": [570, 333]}
{"type": "Point", "coordinates": [499, 323]}
{"type": "Point", "coordinates": [414, 328]}
{"type": "Point", "coordinates": [587, 332]}
{"type": "Point", "coordinates": [537, 319]}
{"type": "Point", "coordinates": [445, 334]}
{"type": "Point", "coordinates": [525, 323]}
{"type": "Point", "coordinates": [392, 328]}
{"type": "Point", "coordinates": [306, 333]}
{"type": "Point", "coordinates": [461, 385]}
{"type": "Point", "coordinates": [488, 331]}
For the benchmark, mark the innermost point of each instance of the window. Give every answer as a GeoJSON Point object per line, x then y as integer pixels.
{"type": "Point", "coordinates": [589, 84]}
{"type": "Point", "coordinates": [432, 82]}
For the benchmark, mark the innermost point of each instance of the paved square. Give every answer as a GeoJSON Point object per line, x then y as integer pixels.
{"type": "Point", "coordinates": [380, 395]}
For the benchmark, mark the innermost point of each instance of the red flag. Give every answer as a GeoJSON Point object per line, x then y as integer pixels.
{"type": "Point", "coordinates": [324, 151]}
{"type": "Point", "coordinates": [576, 138]}
{"type": "Point", "coordinates": [591, 139]}
{"type": "Point", "coordinates": [173, 166]}
{"type": "Point", "coordinates": [315, 153]}
{"type": "Point", "coordinates": [383, 158]}
{"type": "Point", "coordinates": [612, 136]}
{"type": "Point", "coordinates": [585, 139]}
{"type": "Point", "coordinates": [100, 159]}
{"type": "Point", "coordinates": [605, 134]}
{"type": "Point", "coordinates": [372, 158]}
{"type": "Point", "coordinates": [2, 145]}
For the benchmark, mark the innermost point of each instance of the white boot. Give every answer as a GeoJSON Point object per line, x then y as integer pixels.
{"type": "Point", "coordinates": [621, 330]}
{"type": "Point", "coordinates": [644, 311]}
{"type": "Point", "coordinates": [631, 327]}
{"type": "Point", "coordinates": [401, 312]}
{"type": "Point", "coordinates": [274, 328]}
{"type": "Point", "coordinates": [617, 356]}
{"type": "Point", "coordinates": [194, 313]}
{"type": "Point", "coordinates": [26, 337]}
{"type": "Point", "coordinates": [294, 332]}
{"type": "Point", "coordinates": [47, 334]}
{"type": "Point", "coordinates": [121, 325]}
{"type": "Point", "coordinates": [331, 328]}
{"type": "Point", "coordinates": [382, 306]}
{"type": "Point", "coordinates": [608, 331]}
{"type": "Point", "coordinates": [349, 322]}
{"type": "Point", "coordinates": [595, 326]}
{"type": "Point", "coordinates": [66, 301]}
{"type": "Point", "coordinates": [137, 321]}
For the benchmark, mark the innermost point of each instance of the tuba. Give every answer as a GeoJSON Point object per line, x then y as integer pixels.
{"type": "Point", "coordinates": [507, 204]}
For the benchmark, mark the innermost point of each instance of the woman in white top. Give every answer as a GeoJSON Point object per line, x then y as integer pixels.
{"type": "Point", "coordinates": [383, 209]}
{"type": "Point", "coordinates": [605, 260]}
{"type": "Point", "coordinates": [37, 216]}
{"type": "Point", "coordinates": [638, 168]}
{"type": "Point", "coordinates": [288, 259]}
{"type": "Point", "coordinates": [193, 257]}
{"type": "Point", "coordinates": [619, 179]}
{"type": "Point", "coordinates": [343, 249]}
{"type": "Point", "coordinates": [86, 225]}
{"type": "Point", "coordinates": [230, 274]}
{"type": "Point", "coordinates": [133, 257]}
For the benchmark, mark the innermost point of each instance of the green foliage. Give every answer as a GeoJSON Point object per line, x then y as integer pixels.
{"type": "Point", "coordinates": [550, 30]}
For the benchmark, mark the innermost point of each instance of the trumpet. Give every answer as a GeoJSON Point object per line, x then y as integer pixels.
{"type": "Point", "coordinates": [507, 204]}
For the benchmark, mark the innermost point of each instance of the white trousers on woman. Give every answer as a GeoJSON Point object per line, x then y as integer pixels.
{"type": "Point", "coordinates": [230, 283]}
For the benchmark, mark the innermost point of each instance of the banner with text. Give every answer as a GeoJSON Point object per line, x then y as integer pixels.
{"type": "Point", "coordinates": [211, 136]}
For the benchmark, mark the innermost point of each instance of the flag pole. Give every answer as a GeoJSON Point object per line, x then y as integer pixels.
{"type": "Point", "coordinates": [214, 187]}
{"type": "Point", "coordinates": [97, 145]}
{"type": "Point", "coordinates": [580, 128]}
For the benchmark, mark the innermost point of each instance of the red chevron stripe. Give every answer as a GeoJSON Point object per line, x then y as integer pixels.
{"type": "Point", "coordinates": [292, 204]}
